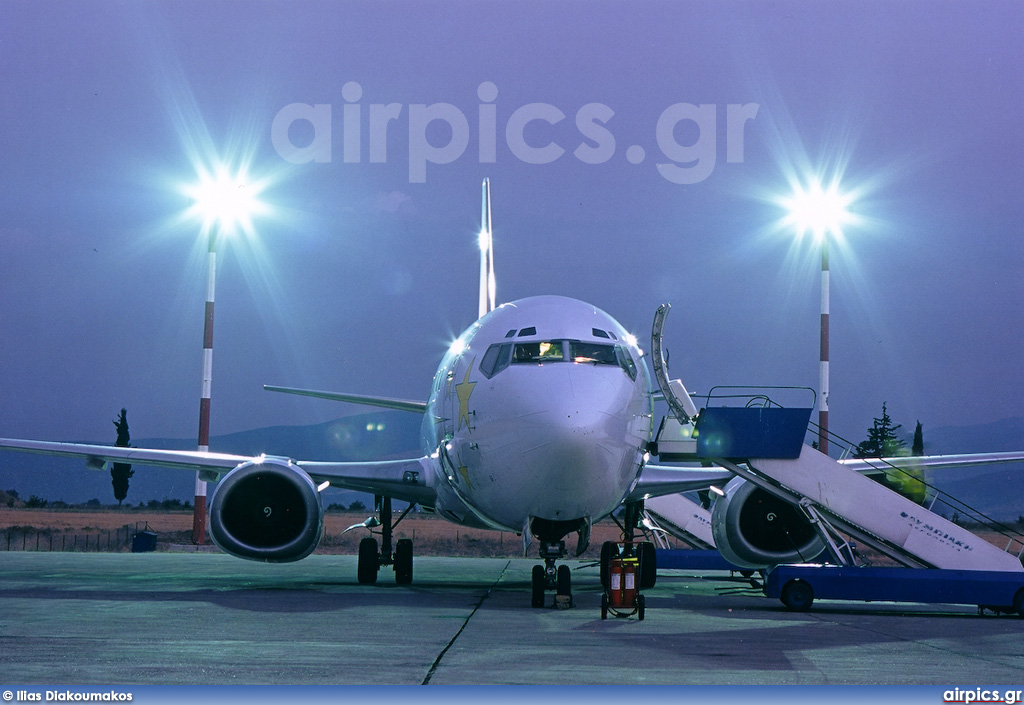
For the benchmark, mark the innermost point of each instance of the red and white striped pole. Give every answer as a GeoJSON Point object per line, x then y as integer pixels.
{"type": "Point", "coordinates": [199, 510]}
{"type": "Point", "coordinates": [823, 381]}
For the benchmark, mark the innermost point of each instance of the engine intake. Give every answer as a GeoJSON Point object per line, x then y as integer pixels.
{"type": "Point", "coordinates": [267, 511]}
{"type": "Point", "coordinates": [754, 529]}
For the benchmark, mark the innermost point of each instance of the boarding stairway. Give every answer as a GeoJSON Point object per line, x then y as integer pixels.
{"type": "Point", "coordinates": [764, 446]}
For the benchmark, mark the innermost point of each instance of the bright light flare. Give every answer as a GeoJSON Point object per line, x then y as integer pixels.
{"type": "Point", "coordinates": [457, 347]}
{"type": "Point", "coordinates": [226, 200]}
{"type": "Point", "coordinates": [818, 210]}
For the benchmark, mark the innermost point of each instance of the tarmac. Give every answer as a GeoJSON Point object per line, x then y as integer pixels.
{"type": "Point", "coordinates": [205, 619]}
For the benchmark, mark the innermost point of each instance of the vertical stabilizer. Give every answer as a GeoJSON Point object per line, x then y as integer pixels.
{"type": "Point", "coordinates": [487, 282]}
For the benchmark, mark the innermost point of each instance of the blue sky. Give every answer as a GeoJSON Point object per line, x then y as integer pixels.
{"type": "Point", "coordinates": [365, 267]}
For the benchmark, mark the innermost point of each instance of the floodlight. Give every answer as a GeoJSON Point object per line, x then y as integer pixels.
{"type": "Point", "coordinates": [226, 200]}
{"type": "Point", "coordinates": [817, 210]}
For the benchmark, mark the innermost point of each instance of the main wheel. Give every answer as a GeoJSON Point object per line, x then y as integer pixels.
{"type": "Point", "coordinates": [369, 561]}
{"type": "Point", "coordinates": [537, 599]}
{"type": "Point", "coordinates": [1018, 602]}
{"type": "Point", "coordinates": [648, 565]}
{"type": "Point", "coordinates": [609, 550]}
{"type": "Point", "coordinates": [403, 562]}
{"type": "Point", "coordinates": [564, 581]}
{"type": "Point", "coordinates": [797, 595]}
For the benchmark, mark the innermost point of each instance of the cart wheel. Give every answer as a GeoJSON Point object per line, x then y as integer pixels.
{"type": "Point", "coordinates": [1018, 602]}
{"type": "Point", "coordinates": [369, 561]}
{"type": "Point", "coordinates": [537, 599]}
{"type": "Point", "coordinates": [608, 551]}
{"type": "Point", "coordinates": [604, 605]}
{"type": "Point", "coordinates": [641, 603]}
{"type": "Point", "coordinates": [797, 595]}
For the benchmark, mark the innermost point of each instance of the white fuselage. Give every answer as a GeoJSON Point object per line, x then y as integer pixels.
{"type": "Point", "coordinates": [542, 409]}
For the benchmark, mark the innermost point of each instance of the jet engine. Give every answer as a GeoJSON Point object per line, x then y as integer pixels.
{"type": "Point", "coordinates": [268, 510]}
{"type": "Point", "coordinates": [754, 529]}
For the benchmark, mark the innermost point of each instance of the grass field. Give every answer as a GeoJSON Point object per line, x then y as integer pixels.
{"type": "Point", "coordinates": [27, 529]}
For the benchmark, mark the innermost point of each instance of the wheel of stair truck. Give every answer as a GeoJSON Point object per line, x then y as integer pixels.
{"type": "Point", "coordinates": [537, 599]}
{"type": "Point", "coordinates": [1018, 602]}
{"type": "Point", "coordinates": [369, 561]}
{"type": "Point", "coordinates": [648, 568]}
{"type": "Point", "coordinates": [797, 595]}
{"type": "Point", "coordinates": [641, 604]}
{"type": "Point", "coordinates": [403, 562]}
{"type": "Point", "coordinates": [609, 550]}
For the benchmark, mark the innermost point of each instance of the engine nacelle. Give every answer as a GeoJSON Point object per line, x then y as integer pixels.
{"type": "Point", "coordinates": [754, 529]}
{"type": "Point", "coordinates": [267, 511]}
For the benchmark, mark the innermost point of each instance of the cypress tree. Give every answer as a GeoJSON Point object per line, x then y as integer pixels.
{"type": "Point", "coordinates": [120, 473]}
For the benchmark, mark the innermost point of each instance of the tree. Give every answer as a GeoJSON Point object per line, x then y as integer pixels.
{"type": "Point", "coordinates": [882, 441]}
{"type": "Point", "coordinates": [917, 449]}
{"type": "Point", "coordinates": [120, 473]}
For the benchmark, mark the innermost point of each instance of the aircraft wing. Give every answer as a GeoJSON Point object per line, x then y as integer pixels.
{"type": "Point", "coordinates": [910, 462]}
{"type": "Point", "coordinates": [657, 480]}
{"type": "Point", "coordinates": [385, 402]}
{"type": "Point", "coordinates": [405, 480]}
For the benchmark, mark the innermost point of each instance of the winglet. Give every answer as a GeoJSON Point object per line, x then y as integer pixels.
{"type": "Point", "coordinates": [487, 281]}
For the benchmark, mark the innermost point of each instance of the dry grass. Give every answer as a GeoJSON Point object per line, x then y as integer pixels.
{"type": "Point", "coordinates": [431, 535]}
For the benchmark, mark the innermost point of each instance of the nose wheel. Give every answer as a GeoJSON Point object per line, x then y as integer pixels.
{"type": "Point", "coordinates": [372, 557]}
{"type": "Point", "coordinates": [549, 577]}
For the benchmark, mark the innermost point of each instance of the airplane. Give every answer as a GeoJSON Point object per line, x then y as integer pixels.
{"type": "Point", "coordinates": [538, 421]}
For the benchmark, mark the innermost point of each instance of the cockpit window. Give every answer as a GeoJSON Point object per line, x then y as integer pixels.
{"type": "Point", "coordinates": [597, 353]}
{"type": "Point", "coordinates": [545, 351]}
{"type": "Point", "coordinates": [501, 355]}
{"type": "Point", "coordinates": [495, 359]}
{"type": "Point", "coordinates": [626, 361]}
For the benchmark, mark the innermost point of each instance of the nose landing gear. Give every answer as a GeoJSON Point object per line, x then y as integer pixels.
{"type": "Point", "coordinates": [371, 558]}
{"type": "Point", "coordinates": [548, 577]}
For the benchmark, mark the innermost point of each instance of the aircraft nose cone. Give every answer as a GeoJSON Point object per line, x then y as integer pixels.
{"type": "Point", "coordinates": [577, 442]}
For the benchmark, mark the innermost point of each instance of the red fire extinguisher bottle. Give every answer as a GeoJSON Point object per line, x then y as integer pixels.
{"type": "Point", "coordinates": [615, 584]}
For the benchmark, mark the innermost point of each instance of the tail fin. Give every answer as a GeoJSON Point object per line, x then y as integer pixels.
{"type": "Point", "coordinates": [487, 281]}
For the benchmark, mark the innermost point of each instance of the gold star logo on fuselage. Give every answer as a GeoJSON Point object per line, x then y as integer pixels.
{"type": "Point", "coordinates": [464, 389]}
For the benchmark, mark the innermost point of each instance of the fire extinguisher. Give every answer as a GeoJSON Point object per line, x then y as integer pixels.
{"type": "Point", "coordinates": [615, 583]}
{"type": "Point", "coordinates": [629, 584]}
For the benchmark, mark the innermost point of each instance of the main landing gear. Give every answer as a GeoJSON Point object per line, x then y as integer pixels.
{"type": "Point", "coordinates": [371, 558]}
{"type": "Point", "coordinates": [547, 577]}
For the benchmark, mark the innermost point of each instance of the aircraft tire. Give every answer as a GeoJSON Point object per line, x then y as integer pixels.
{"type": "Point", "coordinates": [537, 585]}
{"type": "Point", "coordinates": [564, 581]}
{"type": "Point", "coordinates": [403, 562]}
{"type": "Point", "coordinates": [797, 595]}
{"type": "Point", "coordinates": [1018, 602]}
{"type": "Point", "coordinates": [648, 565]}
{"type": "Point", "coordinates": [369, 561]}
{"type": "Point", "coordinates": [609, 550]}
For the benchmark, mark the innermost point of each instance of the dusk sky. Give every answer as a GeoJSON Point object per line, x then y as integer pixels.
{"type": "Point", "coordinates": [364, 266]}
